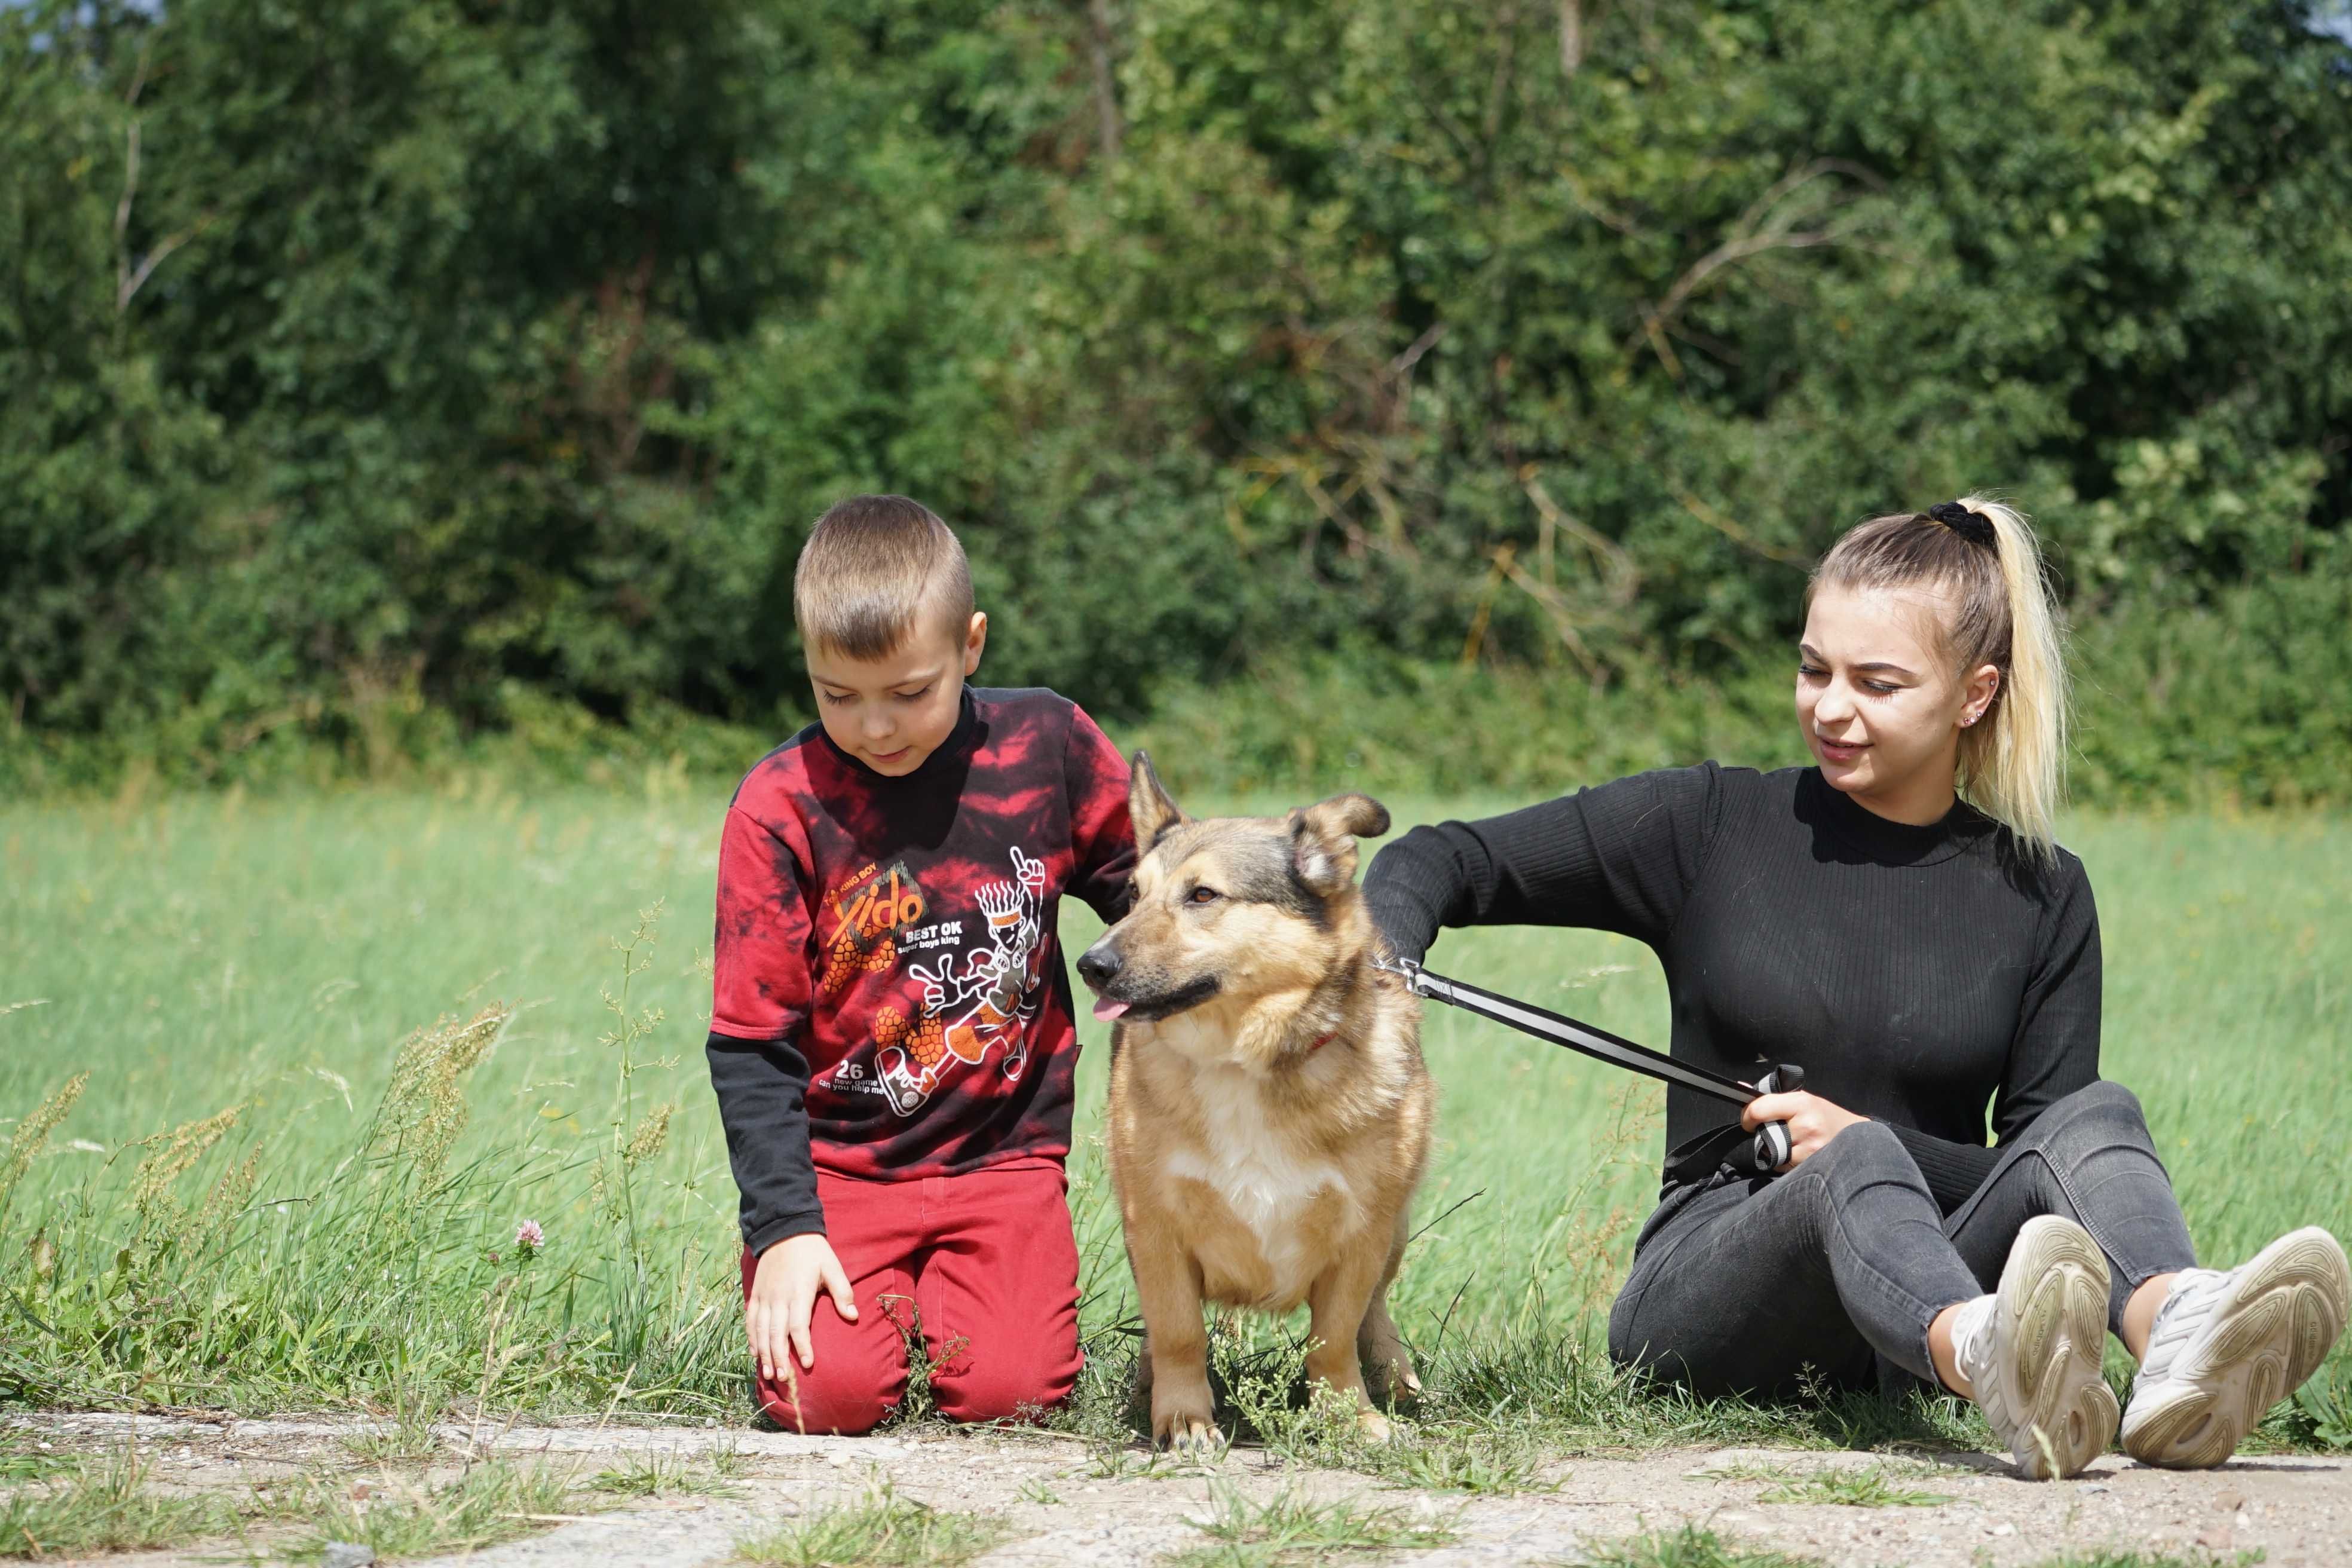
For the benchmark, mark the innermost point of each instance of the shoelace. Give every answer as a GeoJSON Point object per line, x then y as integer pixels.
{"type": "Point", "coordinates": [2182, 1316]}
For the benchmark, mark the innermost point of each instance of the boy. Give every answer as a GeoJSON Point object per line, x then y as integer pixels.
{"type": "Point", "coordinates": [892, 1040]}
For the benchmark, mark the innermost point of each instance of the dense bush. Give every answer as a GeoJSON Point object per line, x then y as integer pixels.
{"type": "Point", "coordinates": [387, 376]}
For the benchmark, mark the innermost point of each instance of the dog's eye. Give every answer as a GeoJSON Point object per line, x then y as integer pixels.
{"type": "Point", "coordinates": [1204, 896]}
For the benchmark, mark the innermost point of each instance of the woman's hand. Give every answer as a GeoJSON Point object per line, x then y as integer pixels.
{"type": "Point", "coordinates": [784, 1289]}
{"type": "Point", "coordinates": [1812, 1121]}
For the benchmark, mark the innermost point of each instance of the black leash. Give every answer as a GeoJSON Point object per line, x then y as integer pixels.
{"type": "Point", "coordinates": [1764, 1151]}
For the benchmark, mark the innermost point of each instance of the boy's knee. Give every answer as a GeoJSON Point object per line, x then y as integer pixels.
{"type": "Point", "coordinates": [1002, 1389]}
{"type": "Point", "coordinates": [836, 1406]}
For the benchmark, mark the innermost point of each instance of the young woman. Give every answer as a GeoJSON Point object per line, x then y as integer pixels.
{"type": "Point", "coordinates": [1918, 956]}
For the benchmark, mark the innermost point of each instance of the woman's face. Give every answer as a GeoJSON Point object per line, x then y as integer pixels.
{"type": "Point", "coordinates": [1879, 702]}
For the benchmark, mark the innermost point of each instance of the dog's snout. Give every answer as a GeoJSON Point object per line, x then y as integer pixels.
{"type": "Point", "coordinates": [1098, 965]}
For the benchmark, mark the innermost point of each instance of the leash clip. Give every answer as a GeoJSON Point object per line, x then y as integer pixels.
{"type": "Point", "coordinates": [1404, 969]}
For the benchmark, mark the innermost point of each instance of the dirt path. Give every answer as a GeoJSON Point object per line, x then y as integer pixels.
{"type": "Point", "coordinates": [1062, 1507]}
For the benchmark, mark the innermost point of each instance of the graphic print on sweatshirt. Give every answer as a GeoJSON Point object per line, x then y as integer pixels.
{"type": "Point", "coordinates": [956, 1016]}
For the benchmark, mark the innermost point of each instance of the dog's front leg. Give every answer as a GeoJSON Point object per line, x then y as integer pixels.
{"type": "Point", "coordinates": [1168, 1288]}
{"type": "Point", "coordinates": [1381, 1354]}
{"type": "Point", "coordinates": [1379, 1349]}
{"type": "Point", "coordinates": [1336, 1303]}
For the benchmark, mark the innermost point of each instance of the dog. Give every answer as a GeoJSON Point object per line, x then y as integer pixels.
{"type": "Point", "coordinates": [1270, 1115]}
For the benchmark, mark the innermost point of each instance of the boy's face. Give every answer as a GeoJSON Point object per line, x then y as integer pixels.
{"type": "Point", "coordinates": [892, 712]}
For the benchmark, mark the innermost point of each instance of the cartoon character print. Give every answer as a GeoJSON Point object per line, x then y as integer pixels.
{"type": "Point", "coordinates": [991, 1003]}
{"type": "Point", "coordinates": [854, 952]}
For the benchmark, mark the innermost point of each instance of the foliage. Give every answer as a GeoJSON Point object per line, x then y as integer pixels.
{"type": "Point", "coordinates": [2323, 1406]}
{"type": "Point", "coordinates": [881, 1529]}
{"type": "Point", "coordinates": [383, 378]}
{"type": "Point", "coordinates": [675, 1473]}
{"type": "Point", "coordinates": [1858, 1486]}
{"type": "Point", "coordinates": [1688, 1546]}
{"type": "Point", "coordinates": [493, 1500]}
{"type": "Point", "coordinates": [107, 1508]}
{"type": "Point", "coordinates": [1465, 1457]}
{"type": "Point", "coordinates": [1291, 1530]}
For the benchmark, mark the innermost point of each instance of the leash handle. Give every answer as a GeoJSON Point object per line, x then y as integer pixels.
{"type": "Point", "coordinates": [1771, 1148]}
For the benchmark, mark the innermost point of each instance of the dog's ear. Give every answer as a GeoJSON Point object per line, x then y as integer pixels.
{"type": "Point", "coordinates": [1150, 807]}
{"type": "Point", "coordinates": [1323, 839]}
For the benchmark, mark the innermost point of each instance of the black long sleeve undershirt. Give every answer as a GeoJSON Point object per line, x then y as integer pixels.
{"type": "Point", "coordinates": [762, 1087]}
{"type": "Point", "coordinates": [1914, 973]}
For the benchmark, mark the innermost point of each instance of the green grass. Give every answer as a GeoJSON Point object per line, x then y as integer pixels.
{"type": "Point", "coordinates": [1462, 1458]}
{"type": "Point", "coordinates": [1857, 1485]}
{"type": "Point", "coordinates": [881, 1529]}
{"type": "Point", "coordinates": [108, 1505]}
{"type": "Point", "coordinates": [1291, 1530]}
{"type": "Point", "coordinates": [105, 1508]}
{"type": "Point", "coordinates": [494, 1501]}
{"type": "Point", "coordinates": [1691, 1546]}
{"type": "Point", "coordinates": [716, 1474]}
{"type": "Point", "coordinates": [26, 1456]}
{"type": "Point", "coordinates": [407, 1438]}
{"type": "Point", "coordinates": [231, 1214]}
{"type": "Point", "coordinates": [1687, 1547]}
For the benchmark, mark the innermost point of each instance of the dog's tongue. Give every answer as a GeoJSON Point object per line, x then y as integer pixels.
{"type": "Point", "coordinates": [1105, 1009]}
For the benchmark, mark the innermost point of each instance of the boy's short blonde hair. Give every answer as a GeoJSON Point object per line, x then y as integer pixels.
{"type": "Point", "coordinates": [874, 567]}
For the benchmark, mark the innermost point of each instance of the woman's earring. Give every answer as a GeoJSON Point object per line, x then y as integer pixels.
{"type": "Point", "coordinates": [1968, 721]}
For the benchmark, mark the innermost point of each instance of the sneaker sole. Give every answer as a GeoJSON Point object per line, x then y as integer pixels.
{"type": "Point", "coordinates": [2272, 1331]}
{"type": "Point", "coordinates": [2054, 1302]}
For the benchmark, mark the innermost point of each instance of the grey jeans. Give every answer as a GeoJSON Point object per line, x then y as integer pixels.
{"type": "Point", "coordinates": [1839, 1266]}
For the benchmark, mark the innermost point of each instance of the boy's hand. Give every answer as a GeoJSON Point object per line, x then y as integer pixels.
{"type": "Point", "coordinates": [783, 1293]}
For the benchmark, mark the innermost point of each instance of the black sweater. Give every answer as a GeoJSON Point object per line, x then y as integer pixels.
{"type": "Point", "coordinates": [1914, 973]}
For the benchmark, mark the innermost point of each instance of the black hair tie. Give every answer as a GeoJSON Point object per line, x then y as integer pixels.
{"type": "Point", "coordinates": [1973, 526]}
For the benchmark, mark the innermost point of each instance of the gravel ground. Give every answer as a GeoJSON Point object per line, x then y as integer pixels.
{"type": "Point", "coordinates": [1064, 1509]}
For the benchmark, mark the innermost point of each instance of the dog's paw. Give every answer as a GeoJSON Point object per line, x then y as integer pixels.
{"type": "Point", "coordinates": [1389, 1380]}
{"type": "Point", "coordinates": [1186, 1429]}
{"type": "Point", "coordinates": [1184, 1421]}
{"type": "Point", "coordinates": [1372, 1426]}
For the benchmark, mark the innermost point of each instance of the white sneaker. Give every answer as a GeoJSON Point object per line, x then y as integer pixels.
{"type": "Point", "coordinates": [2031, 1351]}
{"type": "Point", "coordinates": [2225, 1347]}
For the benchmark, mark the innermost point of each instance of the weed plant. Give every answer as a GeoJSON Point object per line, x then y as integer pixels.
{"type": "Point", "coordinates": [1291, 1530]}
{"type": "Point", "coordinates": [880, 1530]}
{"type": "Point", "coordinates": [107, 1507]}
{"type": "Point", "coordinates": [1687, 1547]}
{"type": "Point", "coordinates": [1857, 1485]}
{"type": "Point", "coordinates": [1462, 1459]}
{"type": "Point", "coordinates": [494, 1501]}
{"type": "Point", "coordinates": [407, 1438]}
{"type": "Point", "coordinates": [27, 1457]}
{"type": "Point", "coordinates": [675, 1474]}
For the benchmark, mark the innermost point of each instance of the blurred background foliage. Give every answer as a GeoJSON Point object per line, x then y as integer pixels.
{"type": "Point", "coordinates": [1430, 392]}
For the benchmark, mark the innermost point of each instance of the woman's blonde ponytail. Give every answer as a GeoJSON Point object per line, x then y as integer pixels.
{"type": "Point", "coordinates": [2014, 762]}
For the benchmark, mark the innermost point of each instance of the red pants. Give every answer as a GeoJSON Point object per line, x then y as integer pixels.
{"type": "Point", "coordinates": [984, 1263]}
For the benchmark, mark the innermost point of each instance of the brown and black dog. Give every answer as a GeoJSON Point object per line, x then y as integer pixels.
{"type": "Point", "coordinates": [1270, 1115]}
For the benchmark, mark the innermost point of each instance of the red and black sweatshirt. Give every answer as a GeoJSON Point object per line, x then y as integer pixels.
{"type": "Point", "coordinates": [889, 995]}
